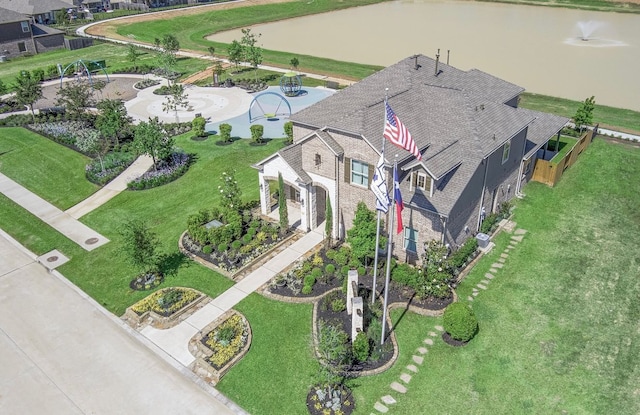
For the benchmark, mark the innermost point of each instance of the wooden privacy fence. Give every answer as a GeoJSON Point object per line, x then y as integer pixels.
{"type": "Point", "coordinates": [550, 173]}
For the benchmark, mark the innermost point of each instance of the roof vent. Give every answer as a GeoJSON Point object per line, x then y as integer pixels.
{"type": "Point", "coordinates": [438, 72]}
{"type": "Point", "coordinates": [416, 66]}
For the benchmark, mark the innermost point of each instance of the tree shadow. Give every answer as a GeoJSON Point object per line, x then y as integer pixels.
{"type": "Point", "coordinates": [169, 264]}
{"type": "Point", "coordinates": [394, 325]}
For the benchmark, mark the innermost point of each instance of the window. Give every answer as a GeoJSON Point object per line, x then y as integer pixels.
{"type": "Point", "coordinates": [359, 173]}
{"type": "Point", "coordinates": [422, 181]}
{"type": "Point", "coordinates": [22, 47]}
{"type": "Point", "coordinates": [25, 27]}
{"type": "Point", "coordinates": [410, 239]}
{"type": "Point", "coordinates": [505, 151]}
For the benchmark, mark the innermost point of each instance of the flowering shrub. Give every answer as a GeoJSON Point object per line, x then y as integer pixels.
{"type": "Point", "coordinates": [114, 164]}
{"type": "Point", "coordinates": [65, 132]}
{"type": "Point", "coordinates": [168, 170]}
{"type": "Point", "coordinates": [166, 301]}
{"type": "Point", "coordinates": [227, 340]}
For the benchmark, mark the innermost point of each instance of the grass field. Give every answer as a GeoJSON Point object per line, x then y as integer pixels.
{"type": "Point", "coordinates": [558, 323]}
{"type": "Point", "coordinates": [48, 169]}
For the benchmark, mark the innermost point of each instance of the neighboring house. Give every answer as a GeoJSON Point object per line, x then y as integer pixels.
{"type": "Point", "coordinates": [478, 148]}
{"type": "Point", "coordinates": [18, 36]}
{"type": "Point", "coordinates": [40, 11]}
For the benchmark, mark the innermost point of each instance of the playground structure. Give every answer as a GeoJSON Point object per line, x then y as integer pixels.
{"type": "Point", "coordinates": [291, 84]}
{"type": "Point", "coordinates": [83, 69]}
{"type": "Point", "coordinates": [270, 106]}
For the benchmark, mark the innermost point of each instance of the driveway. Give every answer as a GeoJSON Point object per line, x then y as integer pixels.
{"type": "Point", "coordinates": [64, 354]}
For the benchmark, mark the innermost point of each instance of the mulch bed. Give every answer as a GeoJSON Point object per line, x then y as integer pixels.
{"type": "Point", "coordinates": [139, 283]}
{"type": "Point", "coordinates": [198, 138]}
{"type": "Point", "coordinates": [451, 341]}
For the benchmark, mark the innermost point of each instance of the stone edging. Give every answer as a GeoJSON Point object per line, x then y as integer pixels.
{"type": "Point", "coordinates": [159, 322]}
{"type": "Point", "coordinates": [200, 352]}
{"type": "Point", "coordinates": [239, 271]}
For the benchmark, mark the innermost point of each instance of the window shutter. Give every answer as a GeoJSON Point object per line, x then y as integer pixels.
{"type": "Point", "coordinates": [370, 170]}
{"type": "Point", "coordinates": [427, 185]}
{"type": "Point", "coordinates": [347, 169]}
{"type": "Point", "coordinates": [414, 180]}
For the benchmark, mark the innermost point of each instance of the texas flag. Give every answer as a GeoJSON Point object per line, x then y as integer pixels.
{"type": "Point", "coordinates": [398, 199]}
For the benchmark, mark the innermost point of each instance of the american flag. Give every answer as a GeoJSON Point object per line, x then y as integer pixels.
{"type": "Point", "coordinates": [397, 133]}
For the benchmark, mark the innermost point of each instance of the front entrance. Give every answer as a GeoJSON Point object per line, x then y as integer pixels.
{"type": "Point", "coordinates": [321, 204]}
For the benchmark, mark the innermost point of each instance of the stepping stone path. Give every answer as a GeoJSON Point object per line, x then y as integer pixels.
{"type": "Point", "coordinates": [385, 401]}
{"type": "Point", "coordinates": [388, 400]}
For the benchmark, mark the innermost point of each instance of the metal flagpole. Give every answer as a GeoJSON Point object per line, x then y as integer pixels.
{"type": "Point", "coordinates": [389, 249]}
{"type": "Point", "coordinates": [375, 261]}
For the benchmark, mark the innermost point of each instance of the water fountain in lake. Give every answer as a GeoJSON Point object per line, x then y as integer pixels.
{"type": "Point", "coordinates": [590, 33]}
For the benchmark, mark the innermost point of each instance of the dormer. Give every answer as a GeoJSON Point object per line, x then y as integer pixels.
{"type": "Point", "coordinates": [419, 179]}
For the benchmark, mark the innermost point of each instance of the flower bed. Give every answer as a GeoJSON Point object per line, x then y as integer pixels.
{"type": "Point", "coordinates": [114, 163]}
{"type": "Point", "coordinates": [254, 239]}
{"type": "Point", "coordinates": [221, 345]}
{"type": "Point", "coordinates": [167, 171]}
{"type": "Point", "coordinates": [337, 402]}
{"type": "Point", "coordinates": [64, 132]}
{"type": "Point", "coordinates": [146, 83]}
{"type": "Point", "coordinates": [164, 307]}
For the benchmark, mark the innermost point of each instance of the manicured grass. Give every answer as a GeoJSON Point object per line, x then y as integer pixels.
{"type": "Point", "coordinates": [592, 5]}
{"type": "Point", "coordinates": [558, 324]}
{"type": "Point", "coordinates": [105, 273]}
{"type": "Point", "coordinates": [565, 144]}
{"type": "Point", "coordinates": [115, 56]}
{"type": "Point", "coordinates": [51, 171]}
{"type": "Point", "coordinates": [191, 31]}
{"type": "Point", "coordinates": [623, 119]}
{"type": "Point", "coordinates": [31, 232]}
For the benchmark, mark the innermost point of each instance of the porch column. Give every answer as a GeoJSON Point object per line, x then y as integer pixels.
{"type": "Point", "coordinates": [265, 197]}
{"type": "Point", "coordinates": [305, 201]}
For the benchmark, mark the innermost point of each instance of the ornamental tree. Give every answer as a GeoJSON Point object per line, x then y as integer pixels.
{"type": "Point", "coordinates": [151, 138]}
{"type": "Point", "coordinates": [362, 236]}
{"type": "Point", "coordinates": [28, 91]}
{"type": "Point", "coordinates": [139, 245]}
{"type": "Point", "coordinates": [113, 122]}
{"type": "Point", "coordinates": [230, 193]}
{"type": "Point", "coordinates": [584, 113]}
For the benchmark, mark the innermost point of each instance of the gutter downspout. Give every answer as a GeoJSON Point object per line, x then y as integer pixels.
{"type": "Point", "coordinates": [444, 229]}
{"type": "Point", "coordinates": [520, 195]}
{"type": "Point", "coordinates": [484, 184]}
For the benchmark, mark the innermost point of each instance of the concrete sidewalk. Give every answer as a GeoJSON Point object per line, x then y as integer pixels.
{"type": "Point", "coordinates": [111, 189]}
{"type": "Point", "coordinates": [78, 232]}
{"type": "Point", "coordinates": [62, 353]}
{"type": "Point", "coordinates": [175, 340]}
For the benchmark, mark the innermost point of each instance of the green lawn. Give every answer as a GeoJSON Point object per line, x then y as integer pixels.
{"type": "Point", "coordinates": [115, 56]}
{"type": "Point", "coordinates": [566, 143]}
{"type": "Point", "coordinates": [49, 170]}
{"type": "Point", "coordinates": [591, 5]}
{"type": "Point", "coordinates": [104, 273]}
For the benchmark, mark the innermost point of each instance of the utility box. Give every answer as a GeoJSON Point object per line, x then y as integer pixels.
{"type": "Point", "coordinates": [483, 240]}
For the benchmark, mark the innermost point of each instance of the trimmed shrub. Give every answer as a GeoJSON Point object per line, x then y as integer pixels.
{"type": "Point", "coordinates": [236, 245]}
{"type": "Point", "coordinates": [460, 322]}
{"type": "Point", "coordinates": [345, 270]}
{"type": "Point", "coordinates": [246, 239]}
{"type": "Point", "coordinates": [405, 274]}
{"type": "Point", "coordinates": [361, 347]}
{"type": "Point", "coordinates": [338, 305]}
{"type": "Point", "coordinates": [330, 269]}
{"type": "Point", "coordinates": [207, 249]}
{"type": "Point", "coordinates": [316, 272]}
{"type": "Point", "coordinates": [362, 271]}
{"type": "Point", "coordinates": [464, 252]}
{"type": "Point", "coordinates": [222, 247]}
{"type": "Point", "coordinates": [488, 223]}
{"type": "Point", "coordinates": [225, 132]}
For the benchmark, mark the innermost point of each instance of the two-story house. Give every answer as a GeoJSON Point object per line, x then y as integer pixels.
{"type": "Point", "coordinates": [19, 36]}
{"type": "Point", "coordinates": [39, 11]}
{"type": "Point", "coordinates": [477, 150]}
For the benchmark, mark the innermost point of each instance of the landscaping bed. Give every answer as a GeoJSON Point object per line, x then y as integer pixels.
{"type": "Point", "coordinates": [164, 308]}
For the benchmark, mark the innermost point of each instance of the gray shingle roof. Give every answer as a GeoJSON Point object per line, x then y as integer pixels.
{"type": "Point", "coordinates": [544, 126]}
{"type": "Point", "coordinates": [10, 16]}
{"type": "Point", "coordinates": [33, 7]}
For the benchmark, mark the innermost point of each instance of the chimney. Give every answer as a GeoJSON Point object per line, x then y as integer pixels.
{"type": "Point", "coordinates": [437, 61]}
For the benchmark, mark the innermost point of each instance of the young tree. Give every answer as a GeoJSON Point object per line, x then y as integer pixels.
{"type": "Point", "coordinates": [75, 97]}
{"type": "Point", "coordinates": [230, 192]}
{"type": "Point", "coordinates": [133, 53]}
{"type": "Point", "coordinates": [139, 244]}
{"type": "Point", "coordinates": [235, 52]}
{"type": "Point", "coordinates": [152, 139]}
{"type": "Point", "coordinates": [197, 126]}
{"type": "Point", "coordinates": [288, 130]}
{"type": "Point", "coordinates": [257, 131]}
{"type": "Point", "coordinates": [178, 98]}
{"type": "Point", "coordinates": [252, 52]}
{"type": "Point", "coordinates": [282, 205]}
{"type": "Point", "coordinates": [113, 122]}
{"type": "Point", "coordinates": [362, 236]}
{"type": "Point", "coordinates": [212, 51]}
{"type": "Point", "coordinates": [90, 142]}
{"type": "Point", "coordinates": [28, 91]}
{"type": "Point", "coordinates": [294, 63]}
{"type": "Point", "coordinates": [218, 70]}
{"type": "Point", "coordinates": [584, 114]}
{"type": "Point", "coordinates": [328, 220]}
{"type": "Point", "coordinates": [225, 132]}
{"type": "Point", "coordinates": [169, 47]}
